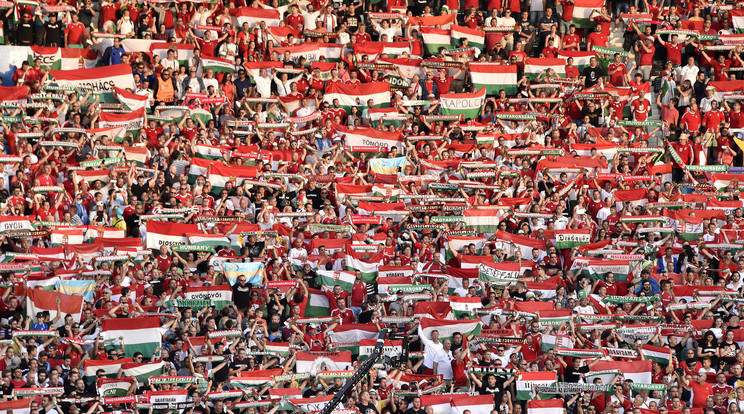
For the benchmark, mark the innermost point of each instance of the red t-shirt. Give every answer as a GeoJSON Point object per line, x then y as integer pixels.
{"type": "Point", "coordinates": [674, 53]}
{"type": "Point", "coordinates": [443, 85]}
{"type": "Point", "coordinates": [75, 33]}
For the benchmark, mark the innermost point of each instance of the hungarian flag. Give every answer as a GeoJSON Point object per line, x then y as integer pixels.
{"type": "Point", "coordinates": [184, 51]}
{"type": "Point", "coordinates": [637, 371]}
{"type": "Point", "coordinates": [209, 239]}
{"type": "Point", "coordinates": [447, 328]}
{"type": "Point", "coordinates": [133, 121]}
{"type": "Point", "coordinates": [13, 93]}
{"type": "Point", "coordinates": [546, 289]}
{"type": "Point", "coordinates": [22, 406]}
{"type": "Point", "coordinates": [582, 12]}
{"type": "Point", "coordinates": [475, 38]}
{"type": "Point", "coordinates": [359, 95]}
{"type": "Point", "coordinates": [255, 15]}
{"type": "Point", "coordinates": [254, 68]}
{"type": "Point", "coordinates": [218, 175]}
{"type": "Point", "coordinates": [435, 39]}
{"type": "Point", "coordinates": [330, 279]}
{"type": "Point", "coordinates": [352, 334]}
{"type": "Point", "coordinates": [554, 317]}
{"type": "Point", "coordinates": [386, 284]}
{"type": "Point", "coordinates": [440, 403]}
{"type": "Point", "coordinates": [142, 372]}
{"type": "Point", "coordinates": [458, 243]}
{"type": "Point", "coordinates": [408, 67]}
{"type": "Point", "coordinates": [312, 404]}
{"type": "Point", "coordinates": [552, 406]}
{"type": "Point", "coordinates": [324, 68]}
{"type": "Point", "coordinates": [727, 206]}
{"type": "Point", "coordinates": [556, 341]}
{"type": "Point", "coordinates": [499, 273]}
{"type": "Point", "coordinates": [161, 234]}
{"type": "Point", "coordinates": [51, 57]}
{"type": "Point", "coordinates": [39, 300]}
{"type": "Point", "coordinates": [523, 243]}
{"type": "Point", "coordinates": [131, 100]}
{"type": "Point", "coordinates": [585, 150]}
{"type": "Point", "coordinates": [317, 304]}
{"type": "Point", "coordinates": [737, 19]}
{"type": "Point", "coordinates": [140, 334]}
{"type": "Point", "coordinates": [482, 220]}
{"type": "Point", "coordinates": [100, 79]}
{"type": "Point", "coordinates": [723, 88]}
{"type": "Point", "coordinates": [390, 348]}
{"type": "Point", "coordinates": [253, 271]}
{"type": "Point", "coordinates": [436, 310]}
{"type": "Point", "coordinates": [464, 306]}
{"type": "Point", "coordinates": [198, 167]}
{"type": "Point", "coordinates": [110, 368]}
{"type": "Point", "coordinates": [723, 180]}
{"type": "Point", "coordinates": [137, 155]}
{"type": "Point", "coordinates": [310, 51]}
{"type": "Point", "coordinates": [536, 66]}
{"type": "Point", "coordinates": [16, 223]}
{"type": "Point", "coordinates": [67, 236]}
{"type": "Point", "coordinates": [331, 52]}
{"type": "Point", "coordinates": [494, 77]}
{"type": "Point", "coordinates": [381, 50]}
{"type": "Point", "coordinates": [314, 362]}
{"type": "Point", "coordinates": [664, 169]}
{"type": "Point", "coordinates": [569, 238]}
{"type": "Point", "coordinates": [219, 65]}
{"type": "Point", "coordinates": [580, 58]}
{"type": "Point", "coordinates": [98, 133]}
{"type": "Point", "coordinates": [597, 269]}
{"type": "Point", "coordinates": [688, 227]}
{"type": "Point", "coordinates": [366, 263]}
{"type": "Point", "coordinates": [114, 387]}
{"type": "Point", "coordinates": [657, 354]}
{"type": "Point", "coordinates": [527, 381]}
{"type": "Point", "coordinates": [467, 105]}
{"type": "Point", "coordinates": [370, 137]}
{"type": "Point", "coordinates": [636, 197]}
{"type": "Point", "coordinates": [472, 403]}
{"type": "Point", "coordinates": [220, 295]}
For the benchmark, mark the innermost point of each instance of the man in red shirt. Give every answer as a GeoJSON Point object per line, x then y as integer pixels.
{"type": "Point", "coordinates": [673, 48]}
{"type": "Point", "coordinates": [720, 66]}
{"type": "Point", "coordinates": [617, 71]}
{"type": "Point", "coordinates": [572, 72]}
{"type": "Point", "coordinates": [596, 38]}
{"type": "Point", "coordinates": [713, 118]}
{"type": "Point", "coordinates": [691, 120]}
{"type": "Point", "coordinates": [295, 18]}
{"type": "Point", "coordinates": [443, 81]}
{"type": "Point", "coordinates": [640, 107]}
{"type": "Point", "coordinates": [75, 32]}
{"type": "Point", "coordinates": [646, 49]}
{"type": "Point", "coordinates": [343, 315]}
{"type": "Point", "coordinates": [684, 150]}
{"type": "Point", "coordinates": [519, 54]}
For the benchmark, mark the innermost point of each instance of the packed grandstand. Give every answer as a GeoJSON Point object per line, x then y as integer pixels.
{"type": "Point", "coordinates": [220, 207]}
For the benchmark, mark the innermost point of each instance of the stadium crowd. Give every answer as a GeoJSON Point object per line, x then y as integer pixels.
{"type": "Point", "coordinates": [211, 207]}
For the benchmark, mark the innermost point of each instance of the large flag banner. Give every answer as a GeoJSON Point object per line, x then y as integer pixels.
{"type": "Point", "coordinates": [39, 300]}
{"type": "Point", "coordinates": [467, 105]}
{"type": "Point", "coordinates": [472, 403]}
{"type": "Point", "coordinates": [637, 371]}
{"type": "Point", "coordinates": [317, 304]}
{"type": "Point", "coordinates": [359, 95]}
{"type": "Point", "coordinates": [569, 238]}
{"type": "Point", "coordinates": [131, 100]}
{"type": "Point", "coordinates": [737, 19]}
{"type": "Point", "coordinates": [494, 77]}
{"type": "Point", "coordinates": [253, 271]}
{"type": "Point", "coordinates": [114, 387]}
{"type": "Point", "coordinates": [84, 288]}
{"type": "Point", "coordinates": [597, 268]}
{"type": "Point", "coordinates": [22, 406]}
{"type": "Point", "coordinates": [140, 334]}
{"type": "Point", "coordinates": [100, 79]}
{"type": "Point", "coordinates": [218, 175]}
{"type": "Point", "coordinates": [365, 263]}
{"type": "Point", "coordinates": [219, 65]}
{"type": "Point", "coordinates": [499, 273]}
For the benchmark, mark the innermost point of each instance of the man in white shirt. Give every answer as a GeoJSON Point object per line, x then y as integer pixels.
{"type": "Point", "coordinates": [431, 347]}
{"type": "Point", "coordinates": [689, 71]}
{"type": "Point", "coordinates": [170, 62]}
{"type": "Point", "coordinates": [443, 359]}
{"type": "Point", "coordinates": [263, 83]}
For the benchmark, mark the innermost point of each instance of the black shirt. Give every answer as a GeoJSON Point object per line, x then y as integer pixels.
{"type": "Point", "coordinates": [547, 20]}
{"type": "Point", "coordinates": [241, 296]}
{"type": "Point", "coordinates": [25, 33]}
{"type": "Point", "coordinates": [570, 374]}
{"type": "Point", "coordinates": [138, 190]}
{"type": "Point", "coordinates": [592, 75]}
{"type": "Point", "coordinates": [54, 34]}
{"type": "Point", "coordinates": [593, 115]}
{"type": "Point", "coordinates": [367, 409]}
